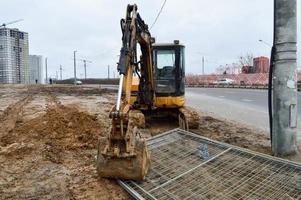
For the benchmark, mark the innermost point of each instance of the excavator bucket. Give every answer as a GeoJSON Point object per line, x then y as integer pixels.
{"type": "Point", "coordinates": [133, 167]}
{"type": "Point", "coordinates": [123, 154]}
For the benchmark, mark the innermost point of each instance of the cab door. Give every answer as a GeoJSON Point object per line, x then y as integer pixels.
{"type": "Point", "coordinates": [169, 70]}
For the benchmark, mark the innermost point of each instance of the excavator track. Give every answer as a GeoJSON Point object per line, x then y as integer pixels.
{"type": "Point", "coordinates": [188, 118]}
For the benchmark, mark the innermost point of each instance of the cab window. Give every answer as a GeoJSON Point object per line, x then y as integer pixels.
{"type": "Point", "coordinates": [165, 62]}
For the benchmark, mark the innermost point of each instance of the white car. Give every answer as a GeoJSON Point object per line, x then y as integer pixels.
{"type": "Point", "coordinates": [79, 83]}
{"type": "Point", "coordinates": [224, 81]}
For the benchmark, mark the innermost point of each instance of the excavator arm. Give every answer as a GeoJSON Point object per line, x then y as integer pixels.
{"type": "Point", "coordinates": [122, 154]}
{"type": "Point", "coordinates": [135, 31]}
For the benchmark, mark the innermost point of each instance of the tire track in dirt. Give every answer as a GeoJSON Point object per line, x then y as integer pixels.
{"type": "Point", "coordinates": [52, 155]}
{"type": "Point", "coordinates": [11, 115]}
{"type": "Point", "coordinates": [52, 101]}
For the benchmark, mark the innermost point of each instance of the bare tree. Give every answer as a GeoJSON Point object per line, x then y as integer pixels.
{"type": "Point", "coordinates": [246, 60]}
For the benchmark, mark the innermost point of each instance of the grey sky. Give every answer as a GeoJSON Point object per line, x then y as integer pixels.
{"type": "Point", "coordinates": [219, 30]}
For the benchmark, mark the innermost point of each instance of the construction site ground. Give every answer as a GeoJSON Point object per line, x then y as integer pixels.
{"type": "Point", "coordinates": [49, 134]}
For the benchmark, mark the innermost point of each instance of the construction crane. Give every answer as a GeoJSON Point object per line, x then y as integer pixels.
{"type": "Point", "coordinates": [12, 22]}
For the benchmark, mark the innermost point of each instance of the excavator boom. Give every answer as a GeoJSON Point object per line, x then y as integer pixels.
{"type": "Point", "coordinates": [123, 154]}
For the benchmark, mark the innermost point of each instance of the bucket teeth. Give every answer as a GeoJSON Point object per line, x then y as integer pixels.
{"type": "Point", "coordinates": [122, 154]}
{"type": "Point", "coordinates": [127, 167]}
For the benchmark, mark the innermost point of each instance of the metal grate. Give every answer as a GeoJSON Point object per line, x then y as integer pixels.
{"type": "Point", "coordinates": [188, 166]}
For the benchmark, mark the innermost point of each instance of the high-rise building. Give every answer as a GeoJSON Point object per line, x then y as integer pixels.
{"type": "Point", "coordinates": [36, 69]}
{"type": "Point", "coordinates": [14, 56]}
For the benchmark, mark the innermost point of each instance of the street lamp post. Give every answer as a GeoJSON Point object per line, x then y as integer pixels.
{"type": "Point", "coordinates": [265, 43]}
{"type": "Point", "coordinates": [74, 64]}
{"type": "Point", "coordinates": [46, 67]}
{"type": "Point", "coordinates": [203, 65]}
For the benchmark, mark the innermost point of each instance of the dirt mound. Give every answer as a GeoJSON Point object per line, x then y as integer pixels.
{"type": "Point", "coordinates": [68, 90]}
{"type": "Point", "coordinates": [52, 154]}
{"type": "Point", "coordinates": [61, 129]}
{"type": "Point", "coordinates": [234, 134]}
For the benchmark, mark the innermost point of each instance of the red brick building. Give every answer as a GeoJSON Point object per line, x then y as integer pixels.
{"type": "Point", "coordinates": [261, 64]}
{"type": "Point", "coordinates": [248, 70]}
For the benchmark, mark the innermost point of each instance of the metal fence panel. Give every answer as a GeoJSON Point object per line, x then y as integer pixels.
{"type": "Point", "coordinates": [188, 166]}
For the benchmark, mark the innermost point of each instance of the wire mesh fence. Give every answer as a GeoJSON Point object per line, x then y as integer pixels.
{"type": "Point", "coordinates": [187, 166]}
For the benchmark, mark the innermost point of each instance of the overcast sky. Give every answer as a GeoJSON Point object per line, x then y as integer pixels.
{"type": "Point", "coordinates": [219, 30]}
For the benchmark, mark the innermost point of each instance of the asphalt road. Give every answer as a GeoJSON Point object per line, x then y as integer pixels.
{"type": "Point", "coordinates": [242, 105]}
{"type": "Point", "coordinates": [251, 97]}
{"type": "Point", "coordinates": [246, 106]}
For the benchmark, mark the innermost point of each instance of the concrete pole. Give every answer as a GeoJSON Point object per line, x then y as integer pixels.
{"type": "Point", "coordinates": [203, 65]}
{"type": "Point", "coordinates": [74, 64]}
{"type": "Point", "coordinates": [108, 71]}
{"type": "Point", "coordinates": [61, 74]}
{"type": "Point", "coordinates": [284, 128]}
{"type": "Point", "coordinates": [85, 66]}
{"type": "Point", "coordinates": [46, 70]}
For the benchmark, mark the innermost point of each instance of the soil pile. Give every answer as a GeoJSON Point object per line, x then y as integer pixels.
{"type": "Point", "coordinates": [68, 90]}
{"type": "Point", "coordinates": [53, 157]}
{"type": "Point", "coordinates": [66, 127]}
{"type": "Point", "coordinates": [234, 134]}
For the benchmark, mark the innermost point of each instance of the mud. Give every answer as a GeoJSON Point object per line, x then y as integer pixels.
{"type": "Point", "coordinates": [11, 115]}
{"type": "Point", "coordinates": [48, 151]}
{"type": "Point", "coordinates": [235, 134]}
{"type": "Point", "coordinates": [49, 134]}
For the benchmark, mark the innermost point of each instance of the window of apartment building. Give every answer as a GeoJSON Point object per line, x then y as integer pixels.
{"type": "Point", "coordinates": [13, 33]}
{"type": "Point", "coordinates": [1, 47]}
{"type": "Point", "coordinates": [21, 36]}
{"type": "Point", "coordinates": [3, 33]}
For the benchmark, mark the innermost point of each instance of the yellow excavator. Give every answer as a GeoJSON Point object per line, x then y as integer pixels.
{"type": "Point", "coordinates": [151, 86]}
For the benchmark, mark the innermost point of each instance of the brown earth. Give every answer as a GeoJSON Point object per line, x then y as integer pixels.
{"type": "Point", "coordinates": [48, 139]}
{"type": "Point", "coordinates": [52, 156]}
{"type": "Point", "coordinates": [235, 134]}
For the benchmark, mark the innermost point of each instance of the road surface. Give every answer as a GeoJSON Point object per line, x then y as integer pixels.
{"type": "Point", "coordinates": [246, 106]}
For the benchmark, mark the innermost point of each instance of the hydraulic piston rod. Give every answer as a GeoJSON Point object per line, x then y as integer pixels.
{"type": "Point", "coordinates": [119, 93]}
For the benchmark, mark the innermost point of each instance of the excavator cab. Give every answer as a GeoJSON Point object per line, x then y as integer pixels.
{"type": "Point", "coordinates": [169, 64]}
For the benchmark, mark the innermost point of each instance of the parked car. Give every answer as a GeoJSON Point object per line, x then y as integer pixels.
{"type": "Point", "coordinates": [224, 81]}
{"type": "Point", "coordinates": [79, 83]}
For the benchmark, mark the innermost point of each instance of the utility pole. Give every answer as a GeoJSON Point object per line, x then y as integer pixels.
{"type": "Point", "coordinates": [46, 70]}
{"type": "Point", "coordinates": [203, 65]}
{"type": "Point", "coordinates": [284, 121]}
{"type": "Point", "coordinates": [56, 75]}
{"type": "Point", "coordinates": [85, 66]}
{"type": "Point", "coordinates": [108, 71]}
{"type": "Point", "coordinates": [61, 74]}
{"type": "Point", "coordinates": [74, 64]}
